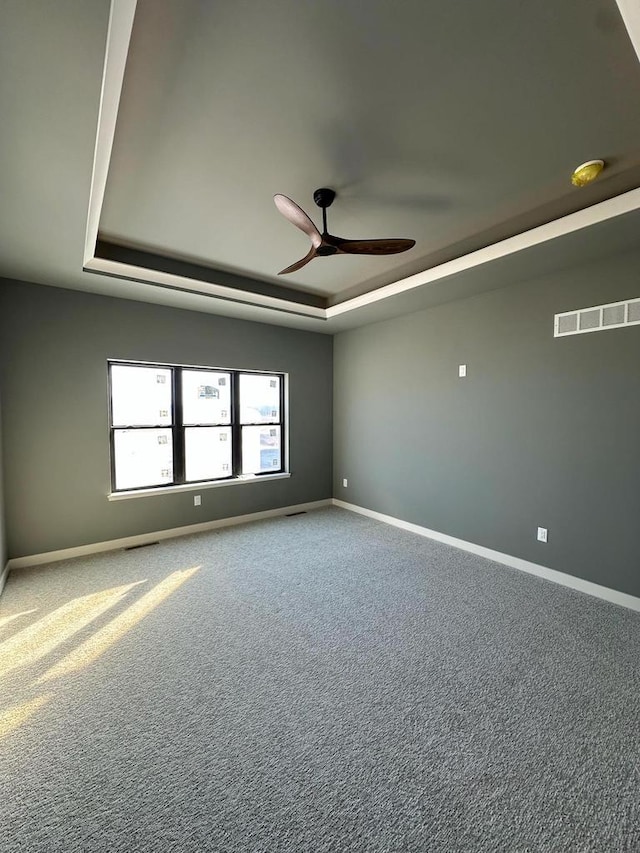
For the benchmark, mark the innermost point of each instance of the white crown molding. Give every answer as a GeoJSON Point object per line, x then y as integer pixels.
{"type": "Point", "coordinates": [121, 17]}
{"type": "Point", "coordinates": [203, 288]}
{"type": "Point", "coordinates": [614, 596]}
{"type": "Point", "coordinates": [604, 210]}
{"type": "Point", "coordinates": [630, 11]}
{"type": "Point", "coordinates": [150, 538]}
{"type": "Point", "coordinates": [621, 204]}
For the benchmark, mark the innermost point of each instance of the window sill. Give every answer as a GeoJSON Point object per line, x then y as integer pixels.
{"type": "Point", "coordinates": [195, 487]}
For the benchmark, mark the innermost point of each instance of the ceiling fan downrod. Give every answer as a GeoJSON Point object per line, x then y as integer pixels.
{"type": "Point", "coordinates": [324, 197]}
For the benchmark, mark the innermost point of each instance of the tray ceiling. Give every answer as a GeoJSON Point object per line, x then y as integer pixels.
{"type": "Point", "coordinates": [454, 124]}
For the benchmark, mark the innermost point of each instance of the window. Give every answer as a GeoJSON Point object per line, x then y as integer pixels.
{"type": "Point", "coordinates": [173, 425]}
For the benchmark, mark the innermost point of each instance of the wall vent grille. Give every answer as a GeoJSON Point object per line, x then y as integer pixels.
{"type": "Point", "coordinates": [597, 318]}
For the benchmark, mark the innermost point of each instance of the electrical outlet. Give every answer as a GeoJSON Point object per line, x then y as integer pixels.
{"type": "Point", "coordinates": [197, 500]}
{"type": "Point", "coordinates": [542, 534]}
{"type": "Point", "coordinates": [462, 370]}
{"type": "Point", "coordinates": [345, 483]}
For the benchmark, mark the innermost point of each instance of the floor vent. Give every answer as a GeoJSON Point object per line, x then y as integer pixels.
{"type": "Point", "coordinates": [135, 547]}
{"type": "Point", "coordinates": [291, 514]}
{"type": "Point", "coordinates": [598, 318]}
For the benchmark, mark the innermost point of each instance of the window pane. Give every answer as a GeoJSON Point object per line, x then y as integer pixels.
{"type": "Point", "coordinates": [259, 398]}
{"type": "Point", "coordinates": [143, 457]}
{"type": "Point", "coordinates": [207, 452]}
{"type": "Point", "coordinates": [206, 397]}
{"type": "Point", "coordinates": [140, 396]}
{"type": "Point", "coordinates": [260, 449]}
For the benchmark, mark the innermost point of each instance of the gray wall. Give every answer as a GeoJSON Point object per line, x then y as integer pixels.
{"type": "Point", "coordinates": [54, 346]}
{"type": "Point", "coordinates": [543, 431]}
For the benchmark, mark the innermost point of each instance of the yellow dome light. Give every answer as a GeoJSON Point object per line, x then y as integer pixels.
{"type": "Point", "coordinates": [587, 173]}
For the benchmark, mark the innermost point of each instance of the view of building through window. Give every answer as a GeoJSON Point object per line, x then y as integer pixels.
{"type": "Point", "coordinates": [172, 425]}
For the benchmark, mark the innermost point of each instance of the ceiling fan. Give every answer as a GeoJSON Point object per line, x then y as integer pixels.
{"type": "Point", "coordinates": [325, 243]}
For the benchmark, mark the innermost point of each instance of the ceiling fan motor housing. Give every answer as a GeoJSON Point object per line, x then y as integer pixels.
{"type": "Point", "coordinates": [326, 250]}
{"type": "Point", "coordinates": [324, 197]}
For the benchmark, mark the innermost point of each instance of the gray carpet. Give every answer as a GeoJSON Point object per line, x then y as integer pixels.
{"type": "Point", "coordinates": [320, 683]}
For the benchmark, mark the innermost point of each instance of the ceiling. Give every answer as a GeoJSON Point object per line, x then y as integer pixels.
{"type": "Point", "coordinates": [455, 124]}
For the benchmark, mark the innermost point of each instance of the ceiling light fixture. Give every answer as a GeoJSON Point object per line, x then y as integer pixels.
{"type": "Point", "coordinates": [587, 173]}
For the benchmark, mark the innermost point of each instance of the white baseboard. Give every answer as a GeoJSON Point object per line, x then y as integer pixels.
{"type": "Point", "coordinates": [146, 538]}
{"type": "Point", "coordinates": [4, 574]}
{"type": "Point", "coordinates": [616, 597]}
{"type": "Point", "coordinates": [604, 592]}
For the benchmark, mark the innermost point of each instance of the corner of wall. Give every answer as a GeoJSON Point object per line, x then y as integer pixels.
{"type": "Point", "coordinates": [4, 566]}
{"type": "Point", "coordinates": [4, 574]}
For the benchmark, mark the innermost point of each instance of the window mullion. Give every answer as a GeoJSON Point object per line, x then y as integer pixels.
{"type": "Point", "coordinates": [112, 449]}
{"type": "Point", "coordinates": [283, 433]}
{"type": "Point", "coordinates": [177, 428]}
{"type": "Point", "coordinates": [236, 429]}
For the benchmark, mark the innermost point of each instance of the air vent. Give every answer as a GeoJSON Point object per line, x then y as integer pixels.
{"type": "Point", "coordinates": [598, 318]}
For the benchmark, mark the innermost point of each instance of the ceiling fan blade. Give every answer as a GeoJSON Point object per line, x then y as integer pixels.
{"type": "Point", "coordinates": [296, 215]}
{"type": "Point", "coordinates": [301, 263]}
{"type": "Point", "coordinates": [374, 247]}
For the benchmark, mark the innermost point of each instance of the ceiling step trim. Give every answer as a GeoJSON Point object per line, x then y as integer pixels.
{"type": "Point", "coordinates": [170, 281]}
{"type": "Point", "coordinates": [121, 17]}
{"type": "Point", "coordinates": [618, 206]}
{"type": "Point", "coordinates": [630, 11]}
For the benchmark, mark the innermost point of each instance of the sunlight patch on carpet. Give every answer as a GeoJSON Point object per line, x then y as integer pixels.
{"type": "Point", "coordinates": [106, 637]}
{"type": "Point", "coordinates": [13, 717]}
{"type": "Point", "coordinates": [7, 619]}
{"type": "Point", "coordinates": [40, 639]}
